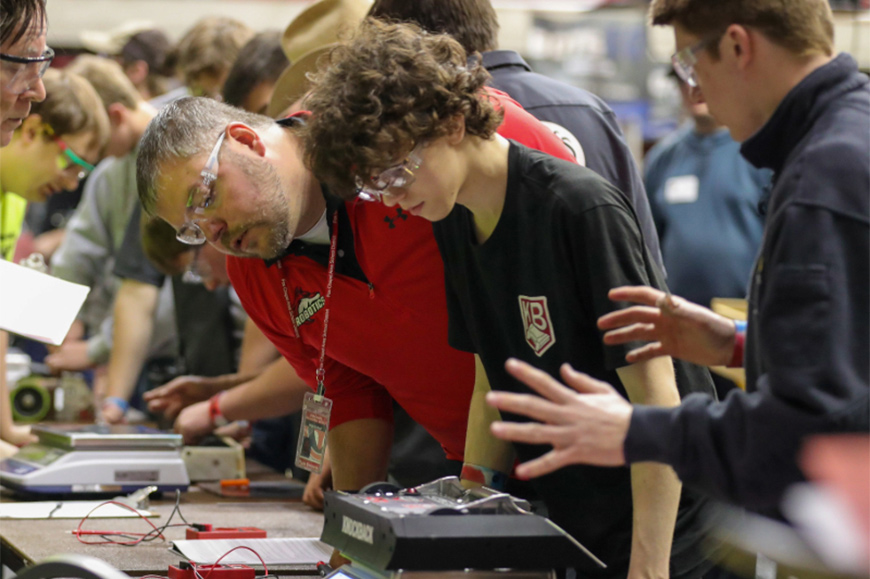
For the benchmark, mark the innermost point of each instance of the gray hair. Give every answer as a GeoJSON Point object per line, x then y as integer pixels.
{"type": "Point", "coordinates": [183, 129]}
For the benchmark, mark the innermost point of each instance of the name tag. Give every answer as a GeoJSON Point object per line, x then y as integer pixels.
{"type": "Point", "coordinates": [683, 189]}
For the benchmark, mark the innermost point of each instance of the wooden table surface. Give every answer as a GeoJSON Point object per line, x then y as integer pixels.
{"type": "Point", "coordinates": [25, 542]}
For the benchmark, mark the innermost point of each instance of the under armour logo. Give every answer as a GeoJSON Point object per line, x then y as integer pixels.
{"type": "Point", "coordinates": [399, 215]}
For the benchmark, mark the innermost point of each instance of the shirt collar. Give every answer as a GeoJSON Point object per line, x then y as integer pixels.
{"type": "Point", "coordinates": [795, 115]}
{"type": "Point", "coordinates": [493, 59]}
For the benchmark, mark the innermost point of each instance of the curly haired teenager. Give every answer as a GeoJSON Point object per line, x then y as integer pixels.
{"type": "Point", "coordinates": [531, 245]}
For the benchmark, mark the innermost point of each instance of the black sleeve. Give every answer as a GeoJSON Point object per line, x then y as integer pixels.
{"type": "Point", "coordinates": [131, 262]}
{"type": "Point", "coordinates": [608, 251]}
{"type": "Point", "coordinates": [813, 340]}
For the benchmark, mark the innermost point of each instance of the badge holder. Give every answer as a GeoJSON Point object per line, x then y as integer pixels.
{"type": "Point", "coordinates": [311, 448]}
{"type": "Point", "coordinates": [316, 409]}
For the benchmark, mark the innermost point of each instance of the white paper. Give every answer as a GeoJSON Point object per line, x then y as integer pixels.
{"type": "Point", "coordinates": [286, 551]}
{"type": "Point", "coordinates": [37, 305]}
{"type": "Point", "coordinates": [66, 510]}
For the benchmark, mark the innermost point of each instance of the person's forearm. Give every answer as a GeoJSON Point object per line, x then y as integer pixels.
{"type": "Point", "coordinates": [485, 455]}
{"type": "Point", "coordinates": [655, 488]}
{"type": "Point", "coordinates": [277, 391]}
{"type": "Point", "coordinates": [257, 351]}
{"type": "Point", "coordinates": [655, 491]}
{"type": "Point", "coordinates": [134, 309]}
{"type": "Point", "coordinates": [360, 453]}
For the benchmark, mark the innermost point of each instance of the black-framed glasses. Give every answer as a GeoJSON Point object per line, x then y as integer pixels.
{"type": "Point", "coordinates": [24, 71]}
{"type": "Point", "coordinates": [684, 60]}
{"type": "Point", "coordinates": [399, 175]}
{"type": "Point", "coordinates": [200, 198]}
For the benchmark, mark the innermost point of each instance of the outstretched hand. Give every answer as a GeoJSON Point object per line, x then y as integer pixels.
{"type": "Point", "coordinates": [672, 325]}
{"type": "Point", "coordinates": [171, 398]}
{"type": "Point", "coordinates": [585, 424]}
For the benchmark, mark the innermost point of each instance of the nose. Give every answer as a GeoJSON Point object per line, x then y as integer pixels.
{"type": "Point", "coordinates": [34, 90]}
{"type": "Point", "coordinates": [69, 180]}
{"type": "Point", "coordinates": [212, 228]}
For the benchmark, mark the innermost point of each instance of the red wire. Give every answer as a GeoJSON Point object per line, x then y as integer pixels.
{"type": "Point", "coordinates": [79, 531]}
{"type": "Point", "coordinates": [215, 564]}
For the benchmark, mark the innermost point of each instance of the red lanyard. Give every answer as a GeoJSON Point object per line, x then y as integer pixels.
{"type": "Point", "coordinates": [333, 248]}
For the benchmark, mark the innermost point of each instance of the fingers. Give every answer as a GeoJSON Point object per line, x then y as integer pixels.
{"type": "Point", "coordinates": [539, 381]}
{"type": "Point", "coordinates": [544, 464]}
{"type": "Point", "coordinates": [635, 332]}
{"type": "Point", "coordinates": [629, 316]}
{"type": "Point", "coordinates": [529, 405]}
{"type": "Point", "coordinates": [636, 294]}
{"type": "Point", "coordinates": [647, 352]}
{"type": "Point", "coordinates": [525, 432]}
{"type": "Point", "coordinates": [583, 383]}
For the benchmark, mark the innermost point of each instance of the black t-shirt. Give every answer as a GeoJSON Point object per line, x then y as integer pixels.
{"type": "Point", "coordinates": [534, 291]}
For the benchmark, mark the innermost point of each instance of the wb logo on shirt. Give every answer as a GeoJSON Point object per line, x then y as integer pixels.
{"type": "Point", "coordinates": [537, 324]}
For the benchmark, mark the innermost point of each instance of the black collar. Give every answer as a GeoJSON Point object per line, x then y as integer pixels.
{"type": "Point", "coordinates": [346, 261]}
{"type": "Point", "coordinates": [771, 146]}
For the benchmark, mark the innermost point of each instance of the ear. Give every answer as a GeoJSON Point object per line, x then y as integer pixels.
{"type": "Point", "coordinates": [117, 114]}
{"type": "Point", "coordinates": [738, 45]}
{"type": "Point", "coordinates": [31, 128]}
{"type": "Point", "coordinates": [248, 137]}
{"type": "Point", "coordinates": [457, 130]}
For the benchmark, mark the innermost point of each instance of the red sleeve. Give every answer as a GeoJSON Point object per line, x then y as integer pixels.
{"type": "Point", "coordinates": [520, 126]}
{"type": "Point", "coordinates": [354, 395]}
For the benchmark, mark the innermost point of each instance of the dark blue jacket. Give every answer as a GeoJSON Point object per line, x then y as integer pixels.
{"type": "Point", "coordinates": [589, 120]}
{"type": "Point", "coordinates": [808, 350]}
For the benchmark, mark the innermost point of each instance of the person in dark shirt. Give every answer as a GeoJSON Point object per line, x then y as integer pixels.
{"type": "Point", "coordinates": [585, 122]}
{"type": "Point", "coordinates": [531, 244]}
{"type": "Point", "coordinates": [771, 76]}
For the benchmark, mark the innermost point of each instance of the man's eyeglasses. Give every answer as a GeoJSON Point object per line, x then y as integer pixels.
{"type": "Point", "coordinates": [24, 71]}
{"type": "Point", "coordinates": [684, 61]}
{"type": "Point", "coordinates": [200, 198]}
{"type": "Point", "coordinates": [399, 175]}
{"type": "Point", "coordinates": [68, 158]}
{"type": "Point", "coordinates": [198, 271]}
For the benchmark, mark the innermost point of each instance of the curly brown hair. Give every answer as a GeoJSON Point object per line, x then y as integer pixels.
{"type": "Point", "coordinates": [383, 91]}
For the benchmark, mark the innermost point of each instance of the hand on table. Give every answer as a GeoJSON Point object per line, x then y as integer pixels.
{"type": "Point", "coordinates": [178, 394]}
{"type": "Point", "coordinates": [194, 423]}
{"type": "Point", "coordinates": [584, 425]}
{"type": "Point", "coordinates": [71, 356]}
{"type": "Point", "coordinates": [674, 327]}
{"type": "Point", "coordinates": [315, 487]}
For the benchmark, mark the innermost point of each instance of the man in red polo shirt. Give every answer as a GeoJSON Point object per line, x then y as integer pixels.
{"type": "Point", "coordinates": [255, 199]}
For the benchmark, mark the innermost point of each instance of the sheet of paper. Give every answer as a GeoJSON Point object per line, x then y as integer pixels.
{"type": "Point", "coordinates": [37, 305]}
{"type": "Point", "coordinates": [287, 551]}
{"type": "Point", "coordinates": [66, 510]}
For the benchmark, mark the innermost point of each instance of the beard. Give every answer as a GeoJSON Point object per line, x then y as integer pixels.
{"type": "Point", "coordinates": [274, 214]}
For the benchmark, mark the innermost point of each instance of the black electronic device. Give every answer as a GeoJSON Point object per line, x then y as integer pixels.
{"type": "Point", "coordinates": [441, 526]}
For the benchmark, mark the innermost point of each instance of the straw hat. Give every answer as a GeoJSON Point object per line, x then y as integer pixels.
{"type": "Point", "coordinates": [310, 35]}
{"type": "Point", "coordinates": [293, 82]}
{"type": "Point", "coordinates": [320, 24]}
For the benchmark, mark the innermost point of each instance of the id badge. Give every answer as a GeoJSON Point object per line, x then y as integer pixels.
{"type": "Point", "coordinates": [311, 448]}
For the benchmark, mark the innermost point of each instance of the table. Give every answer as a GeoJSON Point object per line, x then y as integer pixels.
{"type": "Point", "coordinates": [24, 542]}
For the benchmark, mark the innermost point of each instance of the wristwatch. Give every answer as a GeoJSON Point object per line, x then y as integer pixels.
{"type": "Point", "coordinates": [214, 411]}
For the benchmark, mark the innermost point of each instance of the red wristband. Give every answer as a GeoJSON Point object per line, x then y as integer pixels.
{"type": "Point", "coordinates": [739, 345]}
{"type": "Point", "coordinates": [214, 411]}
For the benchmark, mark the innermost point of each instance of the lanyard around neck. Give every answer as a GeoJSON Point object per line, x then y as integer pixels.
{"type": "Point", "coordinates": [333, 246]}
